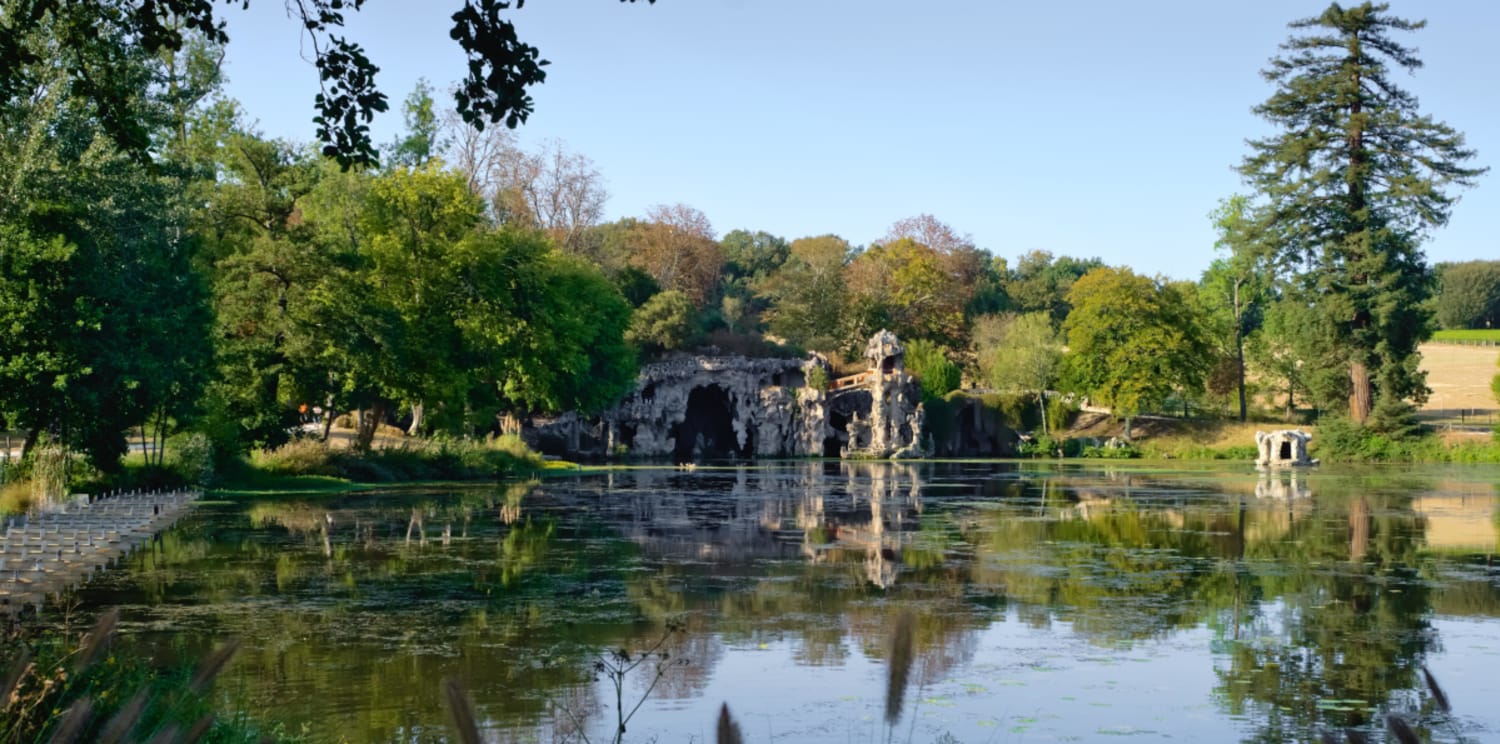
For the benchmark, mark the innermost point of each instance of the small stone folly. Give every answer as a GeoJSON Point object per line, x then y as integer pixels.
{"type": "Point", "coordinates": [1283, 448]}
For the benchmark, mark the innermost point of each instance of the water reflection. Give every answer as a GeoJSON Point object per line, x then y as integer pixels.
{"type": "Point", "coordinates": [922, 596]}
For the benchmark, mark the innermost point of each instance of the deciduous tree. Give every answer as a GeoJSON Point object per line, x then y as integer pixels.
{"type": "Point", "coordinates": [1132, 341]}
{"type": "Point", "coordinates": [1469, 295]}
{"type": "Point", "coordinates": [1024, 355]}
{"type": "Point", "coordinates": [676, 246]}
{"type": "Point", "coordinates": [96, 38]}
{"type": "Point", "coordinates": [808, 294]}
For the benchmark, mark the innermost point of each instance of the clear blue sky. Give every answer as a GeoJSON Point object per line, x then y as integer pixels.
{"type": "Point", "coordinates": [1089, 128]}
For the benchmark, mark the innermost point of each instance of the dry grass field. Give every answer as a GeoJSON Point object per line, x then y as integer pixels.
{"type": "Point", "coordinates": [1460, 380]}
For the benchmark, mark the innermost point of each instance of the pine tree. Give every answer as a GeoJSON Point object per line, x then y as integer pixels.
{"type": "Point", "coordinates": [1352, 183]}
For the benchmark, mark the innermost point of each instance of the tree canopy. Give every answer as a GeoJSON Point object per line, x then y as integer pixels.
{"type": "Point", "coordinates": [1131, 340]}
{"type": "Point", "coordinates": [96, 37]}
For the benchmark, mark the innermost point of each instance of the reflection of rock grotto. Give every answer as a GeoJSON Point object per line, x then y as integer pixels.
{"type": "Point", "coordinates": [696, 407]}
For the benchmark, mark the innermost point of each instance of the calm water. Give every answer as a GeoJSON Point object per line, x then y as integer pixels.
{"type": "Point", "coordinates": [856, 602]}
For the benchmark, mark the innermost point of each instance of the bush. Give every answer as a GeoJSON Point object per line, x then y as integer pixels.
{"type": "Point", "coordinates": [817, 377]}
{"type": "Point", "coordinates": [1042, 446]}
{"type": "Point", "coordinates": [192, 457]}
{"type": "Point", "coordinates": [305, 456]}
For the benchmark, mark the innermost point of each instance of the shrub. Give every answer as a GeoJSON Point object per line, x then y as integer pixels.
{"type": "Point", "coordinates": [304, 456]}
{"type": "Point", "coordinates": [817, 377]}
{"type": "Point", "coordinates": [1042, 446]}
{"type": "Point", "coordinates": [192, 455]}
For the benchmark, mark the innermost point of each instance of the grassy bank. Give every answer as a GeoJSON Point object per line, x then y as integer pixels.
{"type": "Point", "coordinates": [306, 466]}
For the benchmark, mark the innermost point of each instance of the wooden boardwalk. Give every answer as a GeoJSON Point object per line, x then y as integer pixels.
{"type": "Point", "coordinates": [47, 553]}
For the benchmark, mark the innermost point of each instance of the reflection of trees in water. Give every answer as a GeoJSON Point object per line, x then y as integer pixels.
{"type": "Point", "coordinates": [1299, 589]}
{"type": "Point", "coordinates": [1314, 591]}
{"type": "Point", "coordinates": [1342, 626]}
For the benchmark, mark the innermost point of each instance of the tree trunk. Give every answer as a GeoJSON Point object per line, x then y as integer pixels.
{"type": "Point", "coordinates": [30, 444]}
{"type": "Point", "coordinates": [1041, 403]}
{"type": "Point", "coordinates": [369, 422]}
{"type": "Point", "coordinates": [1361, 394]}
{"type": "Point", "coordinates": [418, 412]}
{"type": "Point", "coordinates": [1127, 429]}
{"type": "Point", "coordinates": [1291, 401]}
{"type": "Point", "coordinates": [1239, 348]}
{"type": "Point", "coordinates": [329, 414]}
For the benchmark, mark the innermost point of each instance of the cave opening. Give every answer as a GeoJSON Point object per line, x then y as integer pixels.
{"type": "Point", "coordinates": [833, 446]}
{"type": "Point", "coordinates": [1286, 451]}
{"type": "Point", "coordinates": [707, 428]}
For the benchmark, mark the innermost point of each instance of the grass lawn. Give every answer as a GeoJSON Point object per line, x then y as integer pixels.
{"type": "Point", "coordinates": [1468, 336]}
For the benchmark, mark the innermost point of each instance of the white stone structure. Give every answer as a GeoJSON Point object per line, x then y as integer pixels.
{"type": "Point", "coordinates": [1283, 448]}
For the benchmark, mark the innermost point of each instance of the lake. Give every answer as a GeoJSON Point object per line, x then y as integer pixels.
{"type": "Point", "coordinates": [848, 601]}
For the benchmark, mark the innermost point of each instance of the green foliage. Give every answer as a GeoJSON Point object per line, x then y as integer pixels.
{"type": "Point", "coordinates": [59, 674]}
{"type": "Point", "coordinates": [1060, 413]}
{"type": "Point", "coordinates": [1120, 452]}
{"type": "Point", "coordinates": [1468, 295]}
{"type": "Point", "coordinates": [929, 363]}
{"type": "Point", "coordinates": [808, 294]}
{"type": "Point", "coordinates": [1041, 282]}
{"type": "Point", "coordinates": [420, 142]}
{"type": "Point", "coordinates": [1132, 341]}
{"type": "Point", "coordinates": [1350, 183]}
{"type": "Point", "coordinates": [908, 288]}
{"type": "Point", "coordinates": [1023, 354]}
{"type": "Point", "coordinates": [667, 322]}
{"type": "Point", "coordinates": [637, 286]}
{"type": "Point", "coordinates": [817, 377]}
{"type": "Point", "coordinates": [192, 457]}
{"type": "Point", "coordinates": [438, 459]}
{"type": "Point", "coordinates": [1468, 336]}
{"type": "Point", "coordinates": [103, 309]}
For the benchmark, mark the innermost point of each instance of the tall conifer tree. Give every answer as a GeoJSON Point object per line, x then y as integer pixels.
{"type": "Point", "coordinates": [1352, 182]}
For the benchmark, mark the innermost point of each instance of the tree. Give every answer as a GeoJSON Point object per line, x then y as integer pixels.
{"type": "Point", "coordinates": [749, 260]}
{"type": "Point", "coordinates": [1025, 356]}
{"type": "Point", "coordinates": [1469, 295]}
{"type": "Point", "coordinates": [423, 130]}
{"type": "Point", "coordinates": [1351, 184]}
{"type": "Point", "coordinates": [676, 246]}
{"type": "Point", "coordinates": [1132, 340]}
{"type": "Point", "coordinates": [548, 189]}
{"type": "Point", "coordinates": [104, 313]}
{"type": "Point", "coordinates": [96, 38]}
{"type": "Point", "coordinates": [905, 286]}
{"type": "Point", "coordinates": [667, 322]}
{"type": "Point", "coordinates": [1236, 285]}
{"type": "Point", "coordinates": [929, 363]}
{"type": "Point", "coordinates": [1041, 282]}
{"type": "Point", "coordinates": [807, 293]}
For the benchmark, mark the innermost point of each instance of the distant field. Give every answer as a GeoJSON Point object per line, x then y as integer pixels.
{"type": "Point", "coordinates": [1460, 380]}
{"type": "Point", "coordinates": [1468, 336]}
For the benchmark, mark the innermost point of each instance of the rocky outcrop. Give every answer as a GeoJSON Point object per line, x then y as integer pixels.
{"type": "Point", "coordinates": [715, 407]}
{"type": "Point", "coordinates": [974, 429]}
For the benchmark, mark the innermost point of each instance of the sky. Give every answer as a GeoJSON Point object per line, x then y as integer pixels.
{"type": "Point", "coordinates": [1092, 128]}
